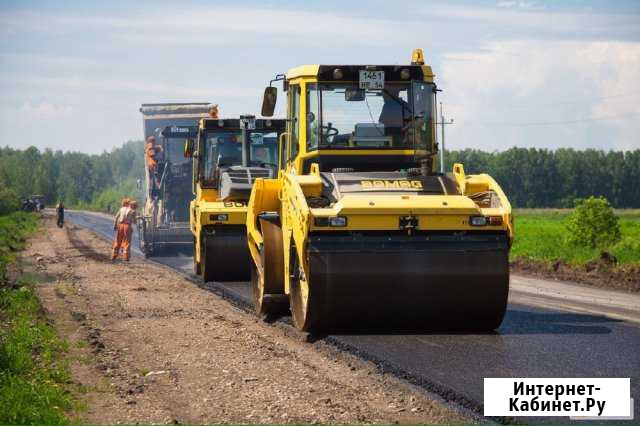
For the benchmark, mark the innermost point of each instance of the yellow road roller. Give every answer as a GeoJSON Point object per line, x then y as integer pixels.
{"type": "Point", "coordinates": [228, 155]}
{"type": "Point", "coordinates": [359, 230]}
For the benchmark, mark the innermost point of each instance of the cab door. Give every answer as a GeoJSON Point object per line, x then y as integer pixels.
{"type": "Point", "coordinates": [292, 145]}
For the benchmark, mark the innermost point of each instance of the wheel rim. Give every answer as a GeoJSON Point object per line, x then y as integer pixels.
{"type": "Point", "coordinates": [299, 294]}
{"type": "Point", "coordinates": [258, 289]}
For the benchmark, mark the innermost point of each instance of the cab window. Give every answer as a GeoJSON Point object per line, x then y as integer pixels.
{"type": "Point", "coordinates": [295, 121]}
{"type": "Point", "coordinates": [312, 117]}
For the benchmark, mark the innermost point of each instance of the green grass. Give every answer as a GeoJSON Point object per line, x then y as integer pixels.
{"type": "Point", "coordinates": [541, 235]}
{"type": "Point", "coordinates": [34, 376]}
{"type": "Point", "coordinates": [14, 228]}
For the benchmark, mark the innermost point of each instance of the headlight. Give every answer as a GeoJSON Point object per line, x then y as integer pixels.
{"type": "Point", "coordinates": [338, 221]}
{"type": "Point", "coordinates": [478, 221]}
{"type": "Point", "coordinates": [219, 217]}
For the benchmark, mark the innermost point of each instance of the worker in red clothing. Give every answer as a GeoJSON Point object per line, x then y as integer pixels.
{"type": "Point", "coordinates": [123, 225]}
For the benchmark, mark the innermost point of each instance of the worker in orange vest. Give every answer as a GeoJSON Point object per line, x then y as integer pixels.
{"type": "Point", "coordinates": [123, 225]}
{"type": "Point", "coordinates": [133, 216]}
{"type": "Point", "coordinates": [151, 153]}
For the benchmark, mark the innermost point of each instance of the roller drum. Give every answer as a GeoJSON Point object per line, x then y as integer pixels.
{"type": "Point", "coordinates": [226, 254]}
{"type": "Point", "coordinates": [457, 282]}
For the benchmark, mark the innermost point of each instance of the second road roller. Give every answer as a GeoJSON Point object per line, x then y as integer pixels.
{"type": "Point", "coordinates": [359, 230]}
{"type": "Point", "coordinates": [228, 155]}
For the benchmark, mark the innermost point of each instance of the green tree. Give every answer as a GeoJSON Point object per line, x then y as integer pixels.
{"type": "Point", "coordinates": [593, 224]}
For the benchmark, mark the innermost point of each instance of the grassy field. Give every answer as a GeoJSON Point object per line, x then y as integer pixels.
{"type": "Point", "coordinates": [33, 372]}
{"type": "Point", "coordinates": [540, 234]}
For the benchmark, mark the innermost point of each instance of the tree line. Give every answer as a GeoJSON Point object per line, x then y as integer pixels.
{"type": "Point", "coordinates": [530, 177]}
{"type": "Point", "coordinates": [75, 178]}
{"type": "Point", "coordinates": [533, 177]}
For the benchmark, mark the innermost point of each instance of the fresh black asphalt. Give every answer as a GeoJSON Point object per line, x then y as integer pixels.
{"type": "Point", "coordinates": [532, 342]}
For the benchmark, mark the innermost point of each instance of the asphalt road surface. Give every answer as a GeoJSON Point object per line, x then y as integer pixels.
{"type": "Point", "coordinates": [533, 341]}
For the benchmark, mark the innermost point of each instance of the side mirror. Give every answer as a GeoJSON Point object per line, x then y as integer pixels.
{"type": "Point", "coordinates": [188, 148]}
{"type": "Point", "coordinates": [269, 101]}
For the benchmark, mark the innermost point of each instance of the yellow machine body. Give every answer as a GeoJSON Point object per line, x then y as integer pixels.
{"type": "Point", "coordinates": [354, 236]}
{"type": "Point", "coordinates": [217, 218]}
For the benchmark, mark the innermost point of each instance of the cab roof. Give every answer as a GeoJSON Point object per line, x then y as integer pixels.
{"type": "Point", "coordinates": [276, 124]}
{"type": "Point", "coordinates": [351, 72]}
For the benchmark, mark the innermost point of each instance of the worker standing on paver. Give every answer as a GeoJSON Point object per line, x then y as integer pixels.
{"type": "Point", "coordinates": [123, 225]}
{"type": "Point", "coordinates": [151, 151]}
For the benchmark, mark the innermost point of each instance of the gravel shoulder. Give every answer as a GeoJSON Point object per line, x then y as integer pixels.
{"type": "Point", "coordinates": [149, 346]}
{"type": "Point", "coordinates": [601, 273]}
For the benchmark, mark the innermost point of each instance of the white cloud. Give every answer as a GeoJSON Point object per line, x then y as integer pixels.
{"type": "Point", "coordinates": [540, 24]}
{"type": "Point", "coordinates": [45, 60]}
{"type": "Point", "coordinates": [525, 5]}
{"type": "Point", "coordinates": [45, 110]}
{"type": "Point", "coordinates": [512, 63]}
{"type": "Point", "coordinates": [497, 96]}
{"type": "Point", "coordinates": [111, 86]}
{"type": "Point", "coordinates": [216, 25]}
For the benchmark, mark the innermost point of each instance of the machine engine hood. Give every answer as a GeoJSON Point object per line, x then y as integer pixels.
{"type": "Point", "coordinates": [341, 184]}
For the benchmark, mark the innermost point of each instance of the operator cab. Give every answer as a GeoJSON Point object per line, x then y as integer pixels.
{"type": "Point", "coordinates": [171, 156]}
{"type": "Point", "coordinates": [172, 179]}
{"type": "Point", "coordinates": [339, 114]}
{"type": "Point", "coordinates": [232, 153]}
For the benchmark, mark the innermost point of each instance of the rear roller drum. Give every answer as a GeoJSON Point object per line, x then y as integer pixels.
{"type": "Point", "coordinates": [268, 288]}
{"type": "Point", "coordinates": [266, 305]}
{"type": "Point", "coordinates": [305, 303]}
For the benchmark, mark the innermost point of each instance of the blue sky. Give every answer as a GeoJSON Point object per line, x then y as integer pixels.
{"type": "Point", "coordinates": [514, 73]}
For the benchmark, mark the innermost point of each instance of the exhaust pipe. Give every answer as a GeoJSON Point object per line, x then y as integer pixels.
{"type": "Point", "coordinates": [247, 123]}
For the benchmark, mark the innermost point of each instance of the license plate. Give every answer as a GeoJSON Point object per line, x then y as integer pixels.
{"type": "Point", "coordinates": [371, 79]}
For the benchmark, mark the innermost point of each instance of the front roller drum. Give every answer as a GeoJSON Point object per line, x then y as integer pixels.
{"type": "Point", "coordinates": [268, 283]}
{"type": "Point", "coordinates": [380, 282]}
{"type": "Point", "coordinates": [225, 255]}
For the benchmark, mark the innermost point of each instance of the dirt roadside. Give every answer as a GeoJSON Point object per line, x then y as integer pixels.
{"type": "Point", "coordinates": [149, 346]}
{"type": "Point", "coordinates": [600, 273]}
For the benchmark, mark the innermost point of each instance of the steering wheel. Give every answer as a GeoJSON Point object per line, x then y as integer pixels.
{"type": "Point", "coordinates": [329, 131]}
